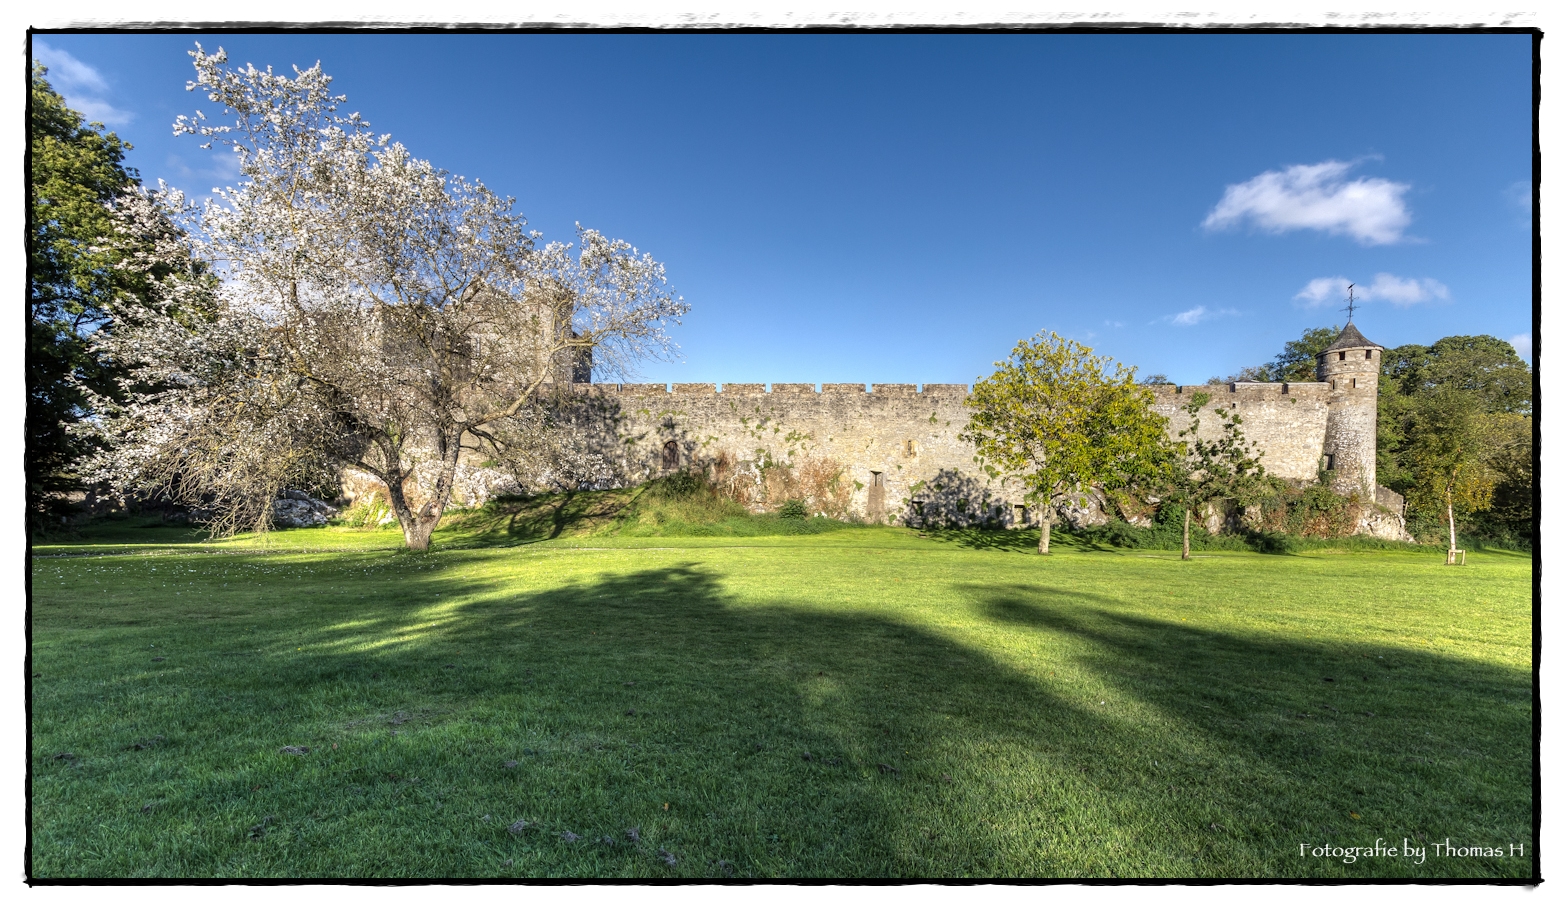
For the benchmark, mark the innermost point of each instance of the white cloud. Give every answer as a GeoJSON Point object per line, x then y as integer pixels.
{"type": "Point", "coordinates": [95, 111]}
{"type": "Point", "coordinates": [68, 73]}
{"type": "Point", "coordinates": [1400, 292]}
{"type": "Point", "coordinates": [82, 86]}
{"type": "Point", "coordinates": [1197, 314]}
{"type": "Point", "coordinates": [1324, 290]}
{"type": "Point", "coordinates": [1114, 323]}
{"type": "Point", "coordinates": [1316, 197]}
{"type": "Point", "coordinates": [1520, 194]}
{"type": "Point", "coordinates": [1404, 292]}
{"type": "Point", "coordinates": [1518, 197]}
{"type": "Point", "coordinates": [1524, 345]}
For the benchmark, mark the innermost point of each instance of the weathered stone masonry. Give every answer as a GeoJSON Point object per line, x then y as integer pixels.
{"type": "Point", "coordinates": [888, 438]}
{"type": "Point", "coordinates": [900, 449]}
{"type": "Point", "coordinates": [900, 445]}
{"type": "Point", "coordinates": [905, 439]}
{"type": "Point", "coordinates": [1351, 367]}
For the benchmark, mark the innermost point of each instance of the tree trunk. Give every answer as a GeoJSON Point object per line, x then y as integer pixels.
{"type": "Point", "coordinates": [1185, 538]}
{"type": "Point", "coordinates": [406, 519]}
{"type": "Point", "coordinates": [418, 528]}
{"type": "Point", "coordinates": [416, 533]}
{"type": "Point", "coordinates": [1048, 520]}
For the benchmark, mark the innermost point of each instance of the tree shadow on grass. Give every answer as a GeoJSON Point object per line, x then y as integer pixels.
{"type": "Point", "coordinates": [1020, 540]}
{"type": "Point", "coordinates": [655, 700]}
{"type": "Point", "coordinates": [1518, 554]}
{"type": "Point", "coordinates": [1396, 742]}
{"type": "Point", "coordinates": [521, 521]}
{"type": "Point", "coordinates": [1023, 540]}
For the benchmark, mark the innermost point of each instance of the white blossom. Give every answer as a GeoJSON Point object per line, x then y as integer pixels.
{"type": "Point", "coordinates": [351, 305]}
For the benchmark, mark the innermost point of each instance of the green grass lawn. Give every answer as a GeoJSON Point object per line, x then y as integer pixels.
{"type": "Point", "coordinates": [858, 702]}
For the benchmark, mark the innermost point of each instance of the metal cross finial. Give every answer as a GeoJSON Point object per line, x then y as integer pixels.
{"type": "Point", "coordinates": [1350, 306]}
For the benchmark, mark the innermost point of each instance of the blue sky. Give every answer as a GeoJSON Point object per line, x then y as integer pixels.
{"type": "Point", "coordinates": [903, 208]}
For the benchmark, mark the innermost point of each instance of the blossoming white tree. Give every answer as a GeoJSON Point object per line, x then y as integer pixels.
{"type": "Point", "coordinates": [372, 312]}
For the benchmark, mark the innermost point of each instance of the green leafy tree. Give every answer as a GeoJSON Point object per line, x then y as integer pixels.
{"type": "Point", "coordinates": [1246, 374]}
{"type": "Point", "coordinates": [93, 245]}
{"type": "Point", "coordinates": [1422, 388]}
{"type": "Point", "coordinates": [1058, 420]}
{"type": "Point", "coordinates": [1202, 470]}
{"type": "Point", "coordinates": [1508, 441]}
{"type": "Point", "coordinates": [76, 172]}
{"type": "Point", "coordinates": [1446, 452]}
{"type": "Point", "coordinates": [1297, 361]}
{"type": "Point", "coordinates": [1482, 365]}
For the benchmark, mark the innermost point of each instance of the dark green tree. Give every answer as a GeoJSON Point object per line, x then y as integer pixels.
{"type": "Point", "coordinates": [1481, 365]}
{"type": "Point", "coordinates": [76, 171]}
{"type": "Point", "coordinates": [1509, 455]}
{"type": "Point", "coordinates": [1446, 448]}
{"type": "Point", "coordinates": [1295, 363]}
{"type": "Point", "coordinates": [1468, 393]}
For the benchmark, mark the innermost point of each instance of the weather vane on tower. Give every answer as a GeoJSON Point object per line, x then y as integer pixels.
{"type": "Point", "coordinates": [1350, 306]}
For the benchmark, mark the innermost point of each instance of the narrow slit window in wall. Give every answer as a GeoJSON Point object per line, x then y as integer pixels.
{"type": "Point", "coordinates": [1342, 355]}
{"type": "Point", "coordinates": [1331, 462]}
{"type": "Point", "coordinates": [911, 448]}
{"type": "Point", "coordinates": [875, 502]}
{"type": "Point", "coordinates": [1368, 353]}
{"type": "Point", "coordinates": [1353, 383]}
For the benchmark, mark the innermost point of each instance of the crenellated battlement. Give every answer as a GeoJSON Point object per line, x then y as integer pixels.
{"type": "Point", "coordinates": [901, 446]}
{"type": "Point", "coordinates": [1238, 391]}
{"type": "Point", "coordinates": [1245, 391]}
{"type": "Point", "coordinates": [775, 388]}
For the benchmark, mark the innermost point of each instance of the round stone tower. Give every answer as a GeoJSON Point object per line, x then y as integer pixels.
{"type": "Point", "coordinates": [1352, 365]}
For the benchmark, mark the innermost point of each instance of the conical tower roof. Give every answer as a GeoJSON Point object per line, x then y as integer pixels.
{"type": "Point", "coordinates": [1352, 338]}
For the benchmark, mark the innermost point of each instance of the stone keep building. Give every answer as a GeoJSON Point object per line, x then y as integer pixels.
{"type": "Point", "coordinates": [899, 448]}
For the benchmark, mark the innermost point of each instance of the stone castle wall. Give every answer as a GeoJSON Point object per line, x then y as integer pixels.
{"type": "Point", "coordinates": [900, 439]}
{"type": "Point", "coordinates": [1287, 421]}
{"type": "Point", "coordinates": [895, 452]}
{"type": "Point", "coordinates": [896, 438]}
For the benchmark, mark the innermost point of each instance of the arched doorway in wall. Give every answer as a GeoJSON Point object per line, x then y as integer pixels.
{"type": "Point", "coordinates": [671, 455]}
